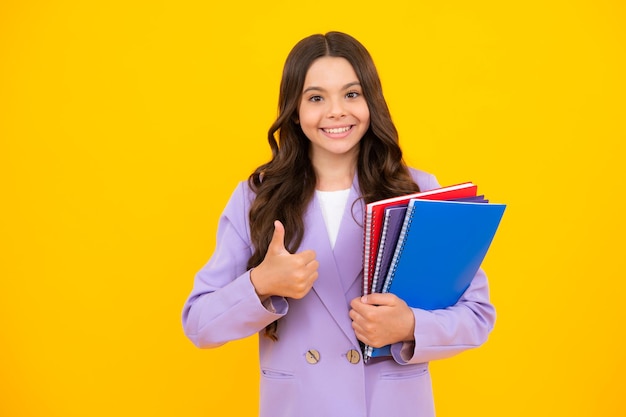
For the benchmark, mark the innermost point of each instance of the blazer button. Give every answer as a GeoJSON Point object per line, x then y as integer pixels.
{"type": "Point", "coordinates": [353, 356]}
{"type": "Point", "coordinates": [312, 356]}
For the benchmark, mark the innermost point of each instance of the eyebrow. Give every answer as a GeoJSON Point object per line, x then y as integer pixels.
{"type": "Point", "coordinates": [345, 87]}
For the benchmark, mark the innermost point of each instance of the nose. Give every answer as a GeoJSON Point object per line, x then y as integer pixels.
{"type": "Point", "coordinates": [336, 109]}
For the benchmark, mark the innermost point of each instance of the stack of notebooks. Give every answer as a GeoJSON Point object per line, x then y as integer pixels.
{"type": "Point", "coordinates": [426, 247]}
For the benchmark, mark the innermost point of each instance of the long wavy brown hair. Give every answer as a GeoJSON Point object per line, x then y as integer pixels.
{"type": "Point", "coordinates": [285, 185]}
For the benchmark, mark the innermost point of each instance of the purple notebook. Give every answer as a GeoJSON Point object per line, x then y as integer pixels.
{"type": "Point", "coordinates": [476, 199]}
{"type": "Point", "coordinates": [392, 225]}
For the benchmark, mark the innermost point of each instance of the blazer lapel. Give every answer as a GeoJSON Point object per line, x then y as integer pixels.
{"type": "Point", "coordinates": [338, 270]}
{"type": "Point", "coordinates": [349, 246]}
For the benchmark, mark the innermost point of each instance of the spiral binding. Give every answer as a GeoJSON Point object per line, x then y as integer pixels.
{"type": "Point", "coordinates": [369, 258]}
{"type": "Point", "coordinates": [401, 242]}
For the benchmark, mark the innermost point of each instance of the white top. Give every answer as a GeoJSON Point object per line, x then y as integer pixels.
{"type": "Point", "coordinates": [333, 204]}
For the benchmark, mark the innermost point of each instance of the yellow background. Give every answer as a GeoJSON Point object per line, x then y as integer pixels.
{"type": "Point", "coordinates": [124, 126]}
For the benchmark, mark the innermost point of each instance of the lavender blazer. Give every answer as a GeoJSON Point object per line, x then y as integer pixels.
{"type": "Point", "coordinates": [315, 368]}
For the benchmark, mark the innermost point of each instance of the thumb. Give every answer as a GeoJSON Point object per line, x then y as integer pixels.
{"type": "Point", "coordinates": [277, 244]}
{"type": "Point", "coordinates": [376, 299]}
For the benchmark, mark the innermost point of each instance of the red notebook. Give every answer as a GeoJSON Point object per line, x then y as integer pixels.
{"type": "Point", "coordinates": [374, 216]}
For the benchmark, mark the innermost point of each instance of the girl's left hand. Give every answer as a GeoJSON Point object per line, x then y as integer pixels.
{"type": "Point", "coordinates": [382, 319]}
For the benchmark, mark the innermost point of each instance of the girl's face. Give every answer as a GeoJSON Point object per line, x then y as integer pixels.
{"type": "Point", "coordinates": [333, 113]}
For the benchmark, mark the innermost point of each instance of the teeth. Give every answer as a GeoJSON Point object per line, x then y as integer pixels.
{"type": "Point", "coordinates": [337, 130]}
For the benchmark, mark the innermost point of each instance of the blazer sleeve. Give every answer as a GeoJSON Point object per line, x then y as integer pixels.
{"type": "Point", "coordinates": [223, 304]}
{"type": "Point", "coordinates": [446, 332]}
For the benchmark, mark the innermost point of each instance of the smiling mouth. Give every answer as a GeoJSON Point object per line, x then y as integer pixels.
{"type": "Point", "coordinates": [338, 129]}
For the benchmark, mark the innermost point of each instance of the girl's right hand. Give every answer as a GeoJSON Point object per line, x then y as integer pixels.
{"type": "Point", "coordinates": [282, 273]}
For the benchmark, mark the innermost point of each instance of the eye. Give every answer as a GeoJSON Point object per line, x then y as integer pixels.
{"type": "Point", "coordinates": [315, 99]}
{"type": "Point", "coordinates": [353, 94]}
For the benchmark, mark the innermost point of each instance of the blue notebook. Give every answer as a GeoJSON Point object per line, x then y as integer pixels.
{"type": "Point", "coordinates": [441, 246]}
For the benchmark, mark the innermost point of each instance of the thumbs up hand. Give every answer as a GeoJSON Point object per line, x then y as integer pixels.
{"type": "Point", "coordinates": [282, 273]}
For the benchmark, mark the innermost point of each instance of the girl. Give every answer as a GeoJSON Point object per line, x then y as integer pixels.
{"type": "Point", "coordinates": [288, 260]}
